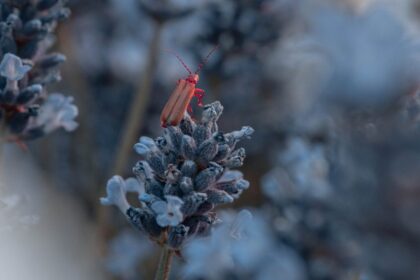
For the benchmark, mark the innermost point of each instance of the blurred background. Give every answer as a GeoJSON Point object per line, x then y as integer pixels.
{"type": "Point", "coordinates": [331, 89]}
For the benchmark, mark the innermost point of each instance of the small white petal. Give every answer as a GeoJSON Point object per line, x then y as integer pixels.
{"type": "Point", "coordinates": [159, 207]}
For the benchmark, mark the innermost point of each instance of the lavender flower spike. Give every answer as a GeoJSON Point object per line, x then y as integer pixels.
{"type": "Point", "coordinates": [185, 173]}
{"type": "Point", "coordinates": [26, 29]}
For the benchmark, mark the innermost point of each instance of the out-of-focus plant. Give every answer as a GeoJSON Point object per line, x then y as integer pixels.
{"type": "Point", "coordinates": [184, 175]}
{"type": "Point", "coordinates": [26, 68]}
{"type": "Point", "coordinates": [13, 214]}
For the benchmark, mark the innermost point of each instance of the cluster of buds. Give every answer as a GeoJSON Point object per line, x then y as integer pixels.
{"type": "Point", "coordinates": [184, 174]}
{"type": "Point", "coordinates": [26, 68]}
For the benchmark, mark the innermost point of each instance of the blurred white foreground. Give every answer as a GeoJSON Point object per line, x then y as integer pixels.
{"type": "Point", "coordinates": [44, 235]}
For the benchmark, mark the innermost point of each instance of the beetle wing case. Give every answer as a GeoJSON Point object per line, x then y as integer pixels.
{"type": "Point", "coordinates": [174, 110]}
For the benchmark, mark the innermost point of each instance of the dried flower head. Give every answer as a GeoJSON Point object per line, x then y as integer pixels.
{"type": "Point", "coordinates": [185, 174]}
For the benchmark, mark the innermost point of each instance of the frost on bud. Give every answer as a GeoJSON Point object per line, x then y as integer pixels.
{"type": "Point", "coordinates": [192, 202]}
{"type": "Point", "coordinates": [188, 147]}
{"type": "Point", "coordinates": [207, 177]}
{"type": "Point", "coordinates": [201, 133]}
{"type": "Point", "coordinates": [177, 236]}
{"type": "Point", "coordinates": [218, 197]}
{"type": "Point", "coordinates": [189, 168]}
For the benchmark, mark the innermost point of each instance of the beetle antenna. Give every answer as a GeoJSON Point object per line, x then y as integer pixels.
{"type": "Point", "coordinates": [180, 60]}
{"type": "Point", "coordinates": [204, 61]}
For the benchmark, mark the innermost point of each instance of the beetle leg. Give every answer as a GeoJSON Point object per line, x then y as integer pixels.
{"type": "Point", "coordinates": [199, 93]}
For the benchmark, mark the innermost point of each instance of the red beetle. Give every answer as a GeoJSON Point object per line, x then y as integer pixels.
{"type": "Point", "coordinates": [180, 99]}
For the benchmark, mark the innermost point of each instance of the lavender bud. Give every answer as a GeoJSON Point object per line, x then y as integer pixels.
{"type": "Point", "coordinates": [18, 122]}
{"type": "Point", "coordinates": [229, 187]}
{"type": "Point", "coordinates": [204, 208]}
{"type": "Point", "coordinates": [207, 177]}
{"type": "Point", "coordinates": [223, 151]}
{"type": "Point", "coordinates": [170, 158]}
{"type": "Point", "coordinates": [155, 161]}
{"type": "Point", "coordinates": [134, 216]}
{"type": "Point", "coordinates": [172, 189]}
{"type": "Point", "coordinates": [172, 174]}
{"type": "Point", "coordinates": [189, 168]}
{"type": "Point", "coordinates": [174, 136]}
{"type": "Point", "coordinates": [177, 236]}
{"type": "Point", "coordinates": [234, 137]}
{"type": "Point", "coordinates": [51, 60]}
{"type": "Point", "coordinates": [148, 142]}
{"type": "Point", "coordinates": [201, 133]}
{"type": "Point", "coordinates": [192, 202]}
{"type": "Point", "coordinates": [143, 219]}
{"type": "Point", "coordinates": [212, 112]}
{"type": "Point", "coordinates": [192, 223]}
{"type": "Point", "coordinates": [141, 149]}
{"type": "Point", "coordinates": [28, 94]}
{"type": "Point", "coordinates": [45, 4]}
{"type": "Point", "coordinates": [32, 27]}
{"type": "Point", "coordinates": [187, 125]}
{"type": "Point", "coordinates": [236, 159]}
{"type": "Point", "coordinates": [218, 197]}
{"type": "Point", "coordinates": [186, 185]}
{"type": "Point", "coordinates": [188, 147]}
{"type": "Point", "coordinates": [162, 144]}
{"type": "Point", "coordinates": [143, 171]}
{"type": "Point", "coordinates": [152, 186]}
{"type": "Point", "coordinates": [209, 148]}
{"type": "Point", "coordinates": [242, 184]}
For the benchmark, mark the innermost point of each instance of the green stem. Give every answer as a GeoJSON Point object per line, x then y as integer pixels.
{"type": "Point", "coordinates": [164, 268]}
